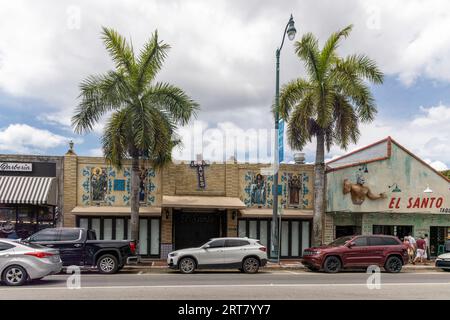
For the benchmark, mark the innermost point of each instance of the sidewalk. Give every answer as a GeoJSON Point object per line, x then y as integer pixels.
{"type": "Point", "coordinates": [151, 264]}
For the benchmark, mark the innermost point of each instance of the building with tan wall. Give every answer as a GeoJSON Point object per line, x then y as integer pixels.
{"type": "Point", "coordinates": [185, 204]}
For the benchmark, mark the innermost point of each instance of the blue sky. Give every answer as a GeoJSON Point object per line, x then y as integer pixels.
{"type": "Point", "coordinates": [224, 59]}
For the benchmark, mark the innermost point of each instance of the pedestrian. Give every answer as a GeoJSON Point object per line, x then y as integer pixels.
{"type": "Point", "coordinates": [409, 249]}
{"type": "Point", "coordinates": [427, 242]}
{"type": "Point", "coordinates": [413, 243]}
{"type": "Point", "coordinates": [421, 250]}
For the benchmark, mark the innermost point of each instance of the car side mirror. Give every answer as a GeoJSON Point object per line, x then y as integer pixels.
{"type": "Point", "coordinates": [206, 246]}
{"type": "Point", "coordinates": [351, 244]}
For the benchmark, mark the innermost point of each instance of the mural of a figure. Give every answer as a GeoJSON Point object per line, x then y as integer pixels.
{"type": "Point", "coordinates": [359, 191]}
{"type": "Point", "coordinates": [295, 186]}
{"type": "Point", "coordinates": [258, 191]}
{"type": "Point", "coordinates": [142, 183]}
{"type": "Point", "coordinates": [99, 184]}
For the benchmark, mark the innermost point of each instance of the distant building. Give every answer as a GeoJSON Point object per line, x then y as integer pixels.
{"type": "Point", "coordinates": [31, 194]}
{"type": "Point", "coordinates": [385, 189]}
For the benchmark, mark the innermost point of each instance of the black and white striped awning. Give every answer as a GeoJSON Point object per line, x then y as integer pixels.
{"type": "Point", "coordinates": [27, 190]}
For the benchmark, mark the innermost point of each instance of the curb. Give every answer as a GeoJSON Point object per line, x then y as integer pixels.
{"type": "Point", "coordinates": [296, 267]}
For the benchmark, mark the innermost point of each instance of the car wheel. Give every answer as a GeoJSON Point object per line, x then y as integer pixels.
{"type": "Point", "coordinates": [187, 265]}
{"type": "Point", "coordinates": [393, 265]}
{"type": "Point", "coordinates": [332, 265]}
{"type": "Point", "coordinates": [14, 276]}
{"type": "Point", "coordinates": [250, 265]}
{"type": "Point", "coordinates": [107, 264]}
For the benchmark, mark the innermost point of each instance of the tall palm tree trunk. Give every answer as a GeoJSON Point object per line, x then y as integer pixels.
{"type": "Point", "coordinates": [135, 198]}
{"type": "Point", "coordinates": [319, 190]}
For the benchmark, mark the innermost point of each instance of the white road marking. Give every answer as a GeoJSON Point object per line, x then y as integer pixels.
{"type": "Point", "coordinates": [235, 286]}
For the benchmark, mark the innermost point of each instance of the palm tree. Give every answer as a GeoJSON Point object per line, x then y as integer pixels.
{"type": "Point", "coordinates": [143, 114]}
{"type": "Point", "coordinates": [328, 104]}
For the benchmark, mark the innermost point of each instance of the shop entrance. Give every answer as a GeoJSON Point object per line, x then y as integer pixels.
{"type": "Point", "coordinates": [399, 231]}
{"type": "Point", "coordinates": [192, 229]}
{"type": "Point", "coordinates": [438, 237]}
{"type": "Point", "coordinates": [342, 231]}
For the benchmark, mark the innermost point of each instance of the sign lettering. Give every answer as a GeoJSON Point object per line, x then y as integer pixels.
{"type": "Point", "coordinates": [416, 203]}
{"type": "Point", "coordinates": [16, 166]}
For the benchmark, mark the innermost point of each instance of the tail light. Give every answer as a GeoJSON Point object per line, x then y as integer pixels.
{"type": "Point", "coordinates": [39, 254]}
{"type": "Point", "coordinates": [133, 247]}
{"type": "Point", "coordinates": [264, 249]}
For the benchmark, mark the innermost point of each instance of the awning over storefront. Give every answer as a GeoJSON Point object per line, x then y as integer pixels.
{"type": "Point", "coordinates": [115, 211]}
{"type": "Point", "coordinates": [28, 190]}
{"type": "Point", "coordinates": [202, 202]}
{"type": "Point", "coordinates": [267, 213]}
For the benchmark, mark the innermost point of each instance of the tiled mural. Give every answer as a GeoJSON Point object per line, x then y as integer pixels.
{"type": "Point", "coordinates": [107, 186]}
{"type": "Point", "coordinates": [295, 189]}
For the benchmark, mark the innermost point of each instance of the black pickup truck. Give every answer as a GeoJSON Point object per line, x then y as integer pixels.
{"type": "Point", "coordinates": [79, 247]}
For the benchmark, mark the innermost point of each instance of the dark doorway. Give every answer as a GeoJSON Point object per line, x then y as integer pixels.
{"type": "Point", "coordinates": [438, 239]}
{"type": "Point", "coordinates": [342, 231]}
{"type": "Point", "coordinates": [399, 231]}
{"type": "Point", "coordinates": [192, 229]}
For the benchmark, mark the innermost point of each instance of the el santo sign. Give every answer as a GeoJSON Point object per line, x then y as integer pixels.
{"type": "Point", "coordinates": [16, 166]}
{"type": "Point", "coordinates": [417, 203]}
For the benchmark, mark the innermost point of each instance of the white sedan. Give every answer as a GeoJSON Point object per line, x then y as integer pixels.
{"type": "Point", "coordinates": [244, 254]}
{"type": "Point", "coordinates": [443, 261]}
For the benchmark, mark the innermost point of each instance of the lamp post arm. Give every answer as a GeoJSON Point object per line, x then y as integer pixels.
{"type": "Point", "coordinates": [284, 36]}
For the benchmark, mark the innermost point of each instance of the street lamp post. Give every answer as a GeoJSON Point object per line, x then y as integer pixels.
{"type": "Point", "coordinates": [290, 31]}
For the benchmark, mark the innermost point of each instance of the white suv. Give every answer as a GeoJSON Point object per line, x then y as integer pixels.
{"type": "Point", "coordinates": [244, 254]}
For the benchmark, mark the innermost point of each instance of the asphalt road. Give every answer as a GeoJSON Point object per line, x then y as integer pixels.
{"type": "Point", "coordinates": [234, 285]}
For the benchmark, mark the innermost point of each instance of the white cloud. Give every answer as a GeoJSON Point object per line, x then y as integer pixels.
{"type": "Point", "coordinates": [438, 165]}
{"type": "Point", "coordinates": [223, 55]}
{"type": "Point", "coordinates": [96, 152]}
{"type": "Point", "coordinates": [22, 138]}
{"type": "Point", "coordinates": [427, 135]}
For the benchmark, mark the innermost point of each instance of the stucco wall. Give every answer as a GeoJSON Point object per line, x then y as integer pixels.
{"type": "Point", "coordinates": [402, 173]}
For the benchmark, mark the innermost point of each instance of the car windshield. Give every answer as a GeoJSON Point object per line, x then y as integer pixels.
{"type": "Point", "coordinates": [340, 241]}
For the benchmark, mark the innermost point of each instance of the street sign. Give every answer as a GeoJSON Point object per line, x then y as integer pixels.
{"type": "Point", "coordinates": [280, 141]}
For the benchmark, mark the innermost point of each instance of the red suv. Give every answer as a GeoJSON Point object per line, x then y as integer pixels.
{"type": "Point", "coordinates": [357, 251]}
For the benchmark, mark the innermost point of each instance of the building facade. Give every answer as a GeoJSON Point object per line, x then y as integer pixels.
{"type": "Point", "coordinates": [185, 204]}
{"type": "Point", "coordinates": [385, 189]}
{"type": "Point", "coordinates": [31, 194]}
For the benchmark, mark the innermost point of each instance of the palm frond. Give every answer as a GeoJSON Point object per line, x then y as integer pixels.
{"type": "Point", "coordinates": [99, 94]}
{"type": "Point", "coordinates": [290, 95]}
{"type": "Point", "coordinates": [115, 138]}
{"type": "Point", "coordinates": [328, 53]}
{"type": "Point", "coordinates": [120, 51]}
{"type": "Point", "coordinates": [151, 59]}
{"type": "Point", "coordinates": [173, 100]}
{"type": "Point", "coordinates": [308, 50]}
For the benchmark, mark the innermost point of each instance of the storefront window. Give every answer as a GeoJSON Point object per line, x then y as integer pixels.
{"type": "Point", "coordinates": [8, 223]}
{"type": "Point", "coordinates": [112, 228]}
{"type": "Point", "coordinates": [295, 234]}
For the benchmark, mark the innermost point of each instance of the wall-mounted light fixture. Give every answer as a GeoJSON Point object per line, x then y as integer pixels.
{"type": "Point", "coordinates": [428, 190]}
{"type": "Point", "coordinates": [233, 215]}
{"type": "Point", "coordinates": [167, 214]}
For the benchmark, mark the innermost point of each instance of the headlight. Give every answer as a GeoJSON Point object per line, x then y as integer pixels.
{"type": "Point", "coordinates": [173, 254]}
{"type": "Point", "coordinates": [312, 253]}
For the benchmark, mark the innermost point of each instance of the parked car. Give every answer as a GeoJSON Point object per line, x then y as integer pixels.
{"type": "Point", "coordinates": [358, 251]}
{"type": "Point", "coordinates": [244, 254]}
{"type": "Point", "coordinates": [20, 262]}
{"type": "Point", "coordinates": [79, 247]}
{"type": "Point", "coordinates": [443, 261]}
